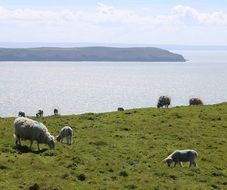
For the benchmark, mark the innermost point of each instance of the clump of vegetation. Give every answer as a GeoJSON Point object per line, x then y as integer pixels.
{"type": "Point", "coordinates": [121, 150]}
{"type": "Point", "coordinates": [34, 187]}
{"type": "Point", "coordinates": [81, 177]}
{"type": "Point", "coordinates": [123, 174]}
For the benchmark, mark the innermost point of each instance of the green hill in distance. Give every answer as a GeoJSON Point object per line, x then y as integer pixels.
{"type": "Point", "coordinates": [139, 54]}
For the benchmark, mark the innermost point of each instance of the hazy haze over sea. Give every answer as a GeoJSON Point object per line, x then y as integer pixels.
{"type": "Point", "coordinates": [78, 87]}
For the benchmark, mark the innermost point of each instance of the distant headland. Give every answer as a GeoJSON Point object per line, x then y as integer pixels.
{"type": "Point", "coordinates": [114, 54]}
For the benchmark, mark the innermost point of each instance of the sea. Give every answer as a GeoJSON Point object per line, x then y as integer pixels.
{"type": "Point", "coordinates": [82, 87]}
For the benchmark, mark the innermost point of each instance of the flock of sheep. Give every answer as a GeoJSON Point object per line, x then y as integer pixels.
{"type": "Point", "coordinates": [164, 101]}
{"type": "Point", "coordinates": [28, 129]}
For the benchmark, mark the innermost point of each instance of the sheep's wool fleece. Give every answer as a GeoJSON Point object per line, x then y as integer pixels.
{"type": "Point", "coordinates": [27, 128]}
{"type": "Point", "coordinates": [183, 155]}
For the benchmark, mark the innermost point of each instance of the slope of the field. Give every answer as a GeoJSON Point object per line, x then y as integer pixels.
{"type": "Point", "coordinates": [121, 150]}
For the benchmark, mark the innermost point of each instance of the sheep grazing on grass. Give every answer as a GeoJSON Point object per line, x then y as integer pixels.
{"type": "Point", "coordinates": [28, 129]}
{"type": "Point", "coordinates": [180, 156]}
{"type": "Point", "coordinates": [40, 113]}
{"type": "Point", "coordinates": [65, 132]}
{"type": "Point", "coordinates": [195, 101]}
{"type": "Point", "coordinates": [55, 111]}
{"type": "Point", "coordinates": [120, 109]}
{"type": "Point", "coordinates": [21, 114]}
{"type": "Point", "coordinates": [163, 101]}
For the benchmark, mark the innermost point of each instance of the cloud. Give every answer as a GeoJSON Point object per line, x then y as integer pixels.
{"type": "Point", "coordinates": [104, 13]}
{"type": "Point", "coordinates": [108, 23]}
{"type": "Point", "coordinates": [189, 15]}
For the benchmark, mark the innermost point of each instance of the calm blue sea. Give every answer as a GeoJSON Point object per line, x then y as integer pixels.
{"type": "Point", "coordinates": [79, 87]}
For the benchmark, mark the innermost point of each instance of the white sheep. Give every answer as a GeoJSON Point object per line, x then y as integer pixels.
{"type": "Point", "coordinates": [65, 132]}
{"type": "Point", "coordinates": [28, 129]}
{"type": "Point", "coordinates": [180, 156]}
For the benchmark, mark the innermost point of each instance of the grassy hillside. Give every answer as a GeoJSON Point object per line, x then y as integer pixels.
{"type": "Point", "coordinates": [122, 150]}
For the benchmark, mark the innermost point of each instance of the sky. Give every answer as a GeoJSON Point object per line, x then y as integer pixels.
{"type": "Point", "coordinates": [181, 22]}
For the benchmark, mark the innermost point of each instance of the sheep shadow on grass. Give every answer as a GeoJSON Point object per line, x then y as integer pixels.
{"type": "Point", "coordinates": [25, 149]}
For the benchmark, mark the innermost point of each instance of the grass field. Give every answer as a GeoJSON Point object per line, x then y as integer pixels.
{"type": "Point", "coordinates": [121, 150]}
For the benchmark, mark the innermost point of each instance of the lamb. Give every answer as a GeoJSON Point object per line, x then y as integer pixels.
{"type": "Point", "coordinates": [28, 129]}
{"type": "Point", "coordinates": [40, 113]}
{"type": "Point", "coordinates": [163, 101]}
{"type": "Point", "coordinates": [65, 132]}
{"type": "Point", "coordinates": [180, 156]}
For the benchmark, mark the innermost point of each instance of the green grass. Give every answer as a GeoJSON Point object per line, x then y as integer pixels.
{"type": "Point", "coordinates": [122, 150]}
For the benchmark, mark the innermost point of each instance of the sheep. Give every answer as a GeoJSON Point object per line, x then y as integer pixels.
{"type": "Point", "coordinates": [65, 132]}
{"type": "Point", "coordinates": [21, 114]}
{"type": "Point", "coordinates": [40, 113]}
{"type": "Point", "coordinates": [195, 101]}
{"type": "Point", "coordinates": [28, 129]}
{"type": "Point", "coordinates": [180, 156]}
{"type": "Point", "coordinates": [163, 101]}
{"type": "Point", "coordinates": [120, 109]}
{"type": "Point", "coordinates": [55, 111]}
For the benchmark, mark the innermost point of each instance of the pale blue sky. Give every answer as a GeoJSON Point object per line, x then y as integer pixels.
{"type": "Point", "coordinates": [202, 4]}
{"type": "Point", "coordinates": [192, 22]}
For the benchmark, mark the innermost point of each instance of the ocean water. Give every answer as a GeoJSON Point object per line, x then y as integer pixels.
{"type": "Point", "coordinates": [80, 87]}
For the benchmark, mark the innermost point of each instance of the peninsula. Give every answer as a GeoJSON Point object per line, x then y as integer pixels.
{"type": "Point", "coordinates": [140, 54]}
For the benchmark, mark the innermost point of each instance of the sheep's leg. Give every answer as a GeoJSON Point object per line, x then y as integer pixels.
{"type": "Point", "coordinates": [180, 163]}
{"type": "Point", "coordinates": [31, 142]}
{"type": "Point", "coordinates": [70, 138]}
{"type": "Point", "coordinates": [38, 146]}
{"type": "Point", "coordinates": [194, 164]}
{"type": "Point", "coordinates": [175, 163]}
{"type": "Point", "coordinates": [18, 140]}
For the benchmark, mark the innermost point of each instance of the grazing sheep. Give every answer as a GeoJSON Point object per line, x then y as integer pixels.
{"type": "Point", "coordinates": [120, 109]}
{"type": "Point", "coordinates": [195, 101]}
{"type": "Point", "coordinates": [21, 114]}
{"type": "Point", "coordinates": [180, 156]}
{"type": "Point", "coordinates": [163, 101]}
{"type": "Point", "coordinates": [65, 132]}
{"type": "Point", "coordinates": [55, 111]}
{"type": "Point", "coordinates": [28, 129]}
{"type": "Point", "coordinates": [40, 113]}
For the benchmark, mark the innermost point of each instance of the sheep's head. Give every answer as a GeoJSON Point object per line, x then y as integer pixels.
{"type": "Point", "coordinates": [51, 142]}
{"type": "Point", "coordinates": [159, 105]}
{"type": "Point", "coordinates": [58, 138]}
{"type": "Point", "coordinates": [168, 161]}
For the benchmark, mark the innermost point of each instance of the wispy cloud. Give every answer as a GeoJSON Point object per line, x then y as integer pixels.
{"type": "Point", "coordinates": [189, 15]}
{"type": "Point", "coordinates": [110, 21]}
{"type": "Point", "coordinates": [104, 13]}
